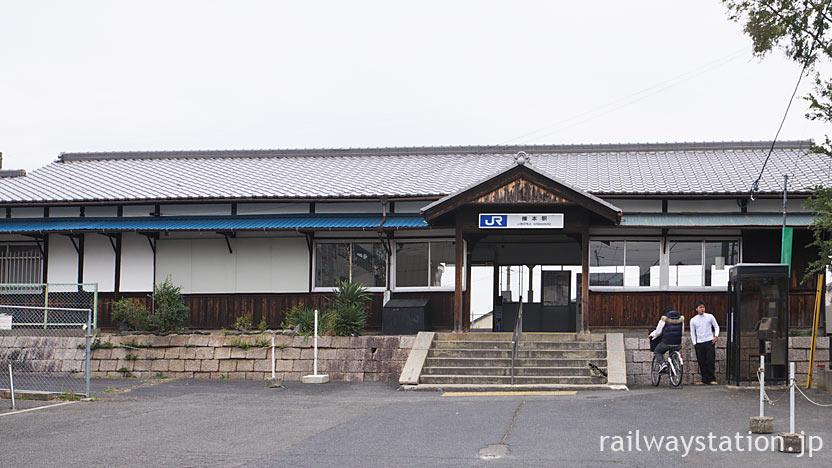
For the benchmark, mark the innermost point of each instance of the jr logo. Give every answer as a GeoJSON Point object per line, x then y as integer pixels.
{"type": "Point", "coordinates": [493, 221]}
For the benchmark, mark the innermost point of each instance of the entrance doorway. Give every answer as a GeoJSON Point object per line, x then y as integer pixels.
{"type": "Point", "coordinates": [543, 272]}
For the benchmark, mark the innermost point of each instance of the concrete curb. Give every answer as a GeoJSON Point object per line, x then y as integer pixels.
{"type": "Point", "coordinates": [416, 359]}
{"type": "Point", "coordinates": [616, 359]}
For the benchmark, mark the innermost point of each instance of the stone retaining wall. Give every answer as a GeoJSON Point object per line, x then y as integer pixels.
{"type": "Point", "coordinates": [639, 358]}
{"type": "Point", "coordinates": [43, 353]}
{"type": "Point", "coordinates": [351, 359]}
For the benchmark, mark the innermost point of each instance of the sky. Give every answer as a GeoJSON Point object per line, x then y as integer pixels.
{"type": "Point", "coordinates": [197, 75]}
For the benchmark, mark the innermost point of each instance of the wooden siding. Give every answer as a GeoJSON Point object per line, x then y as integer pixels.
{"type": "Point", "coordinates": [641, 309]}
{"type": "Point", "coordinates": [213, 311]}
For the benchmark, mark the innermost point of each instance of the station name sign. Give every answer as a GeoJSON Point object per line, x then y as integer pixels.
{"type": "Point", "coordinates": [521, 221]}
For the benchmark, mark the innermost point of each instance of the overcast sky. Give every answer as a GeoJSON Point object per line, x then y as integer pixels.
{"type": "Point", "coordinates": [179, 75]}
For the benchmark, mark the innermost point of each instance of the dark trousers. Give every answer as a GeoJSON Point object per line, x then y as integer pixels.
{"type": "Point", "coordinates": [706, 355]}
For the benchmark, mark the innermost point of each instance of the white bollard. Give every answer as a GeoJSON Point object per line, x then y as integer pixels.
{"type": "Point", "coordinates": [761, 424]}
{"type": "Point", "coordinates": [762, 384]}
{"type": "Point", "coordinates": [272, 357]}
{"type": "Point", "coordinates": [791, 397]}
{"type": "Point", "coordinates": [273, 382]}
{"type": "Point", "coordinates": [315, 377]}
{"type": "Point", "coordinates": [11, 384]}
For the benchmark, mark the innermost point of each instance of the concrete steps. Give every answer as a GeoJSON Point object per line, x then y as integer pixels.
{"type": "Point", "coordinates": [483, 361]}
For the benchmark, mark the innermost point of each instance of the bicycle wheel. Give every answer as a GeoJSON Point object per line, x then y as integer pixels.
{"type": "Point", "coordinates": [677, 371]}
{"type": "Point", "coordinates": [655, 377]}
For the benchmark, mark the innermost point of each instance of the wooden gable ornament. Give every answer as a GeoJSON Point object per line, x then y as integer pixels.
{"type": "Point", "coordinates": [521, 185]}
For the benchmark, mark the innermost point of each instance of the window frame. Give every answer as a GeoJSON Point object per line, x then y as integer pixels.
{"type": "Point", "coordinates": [4, 265]}
{"type": "Point", "coordinates": [664, 261]}
{"type": "Point", "coordinates": [393, 279]}
{"type": "Point", "coordinates": [625, 239]}
{"type": "Point", "coordinates": [350, 241]}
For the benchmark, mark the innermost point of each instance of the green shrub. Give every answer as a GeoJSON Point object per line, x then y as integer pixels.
{"type": "Point", "coordinates": [130, 313]}
{"type": "Point", "coordinates": [301, 315]}
{"type": "Point", "coordinates": [171, 312]}
{"type": "Point", "coordinates": [347, 315]}
{"type": "Point", "coordinates": [261, 342]}
{"type": "Point", "coordinates": [243, 322]}
{"type": "Point", "coordinates": [263, 326]}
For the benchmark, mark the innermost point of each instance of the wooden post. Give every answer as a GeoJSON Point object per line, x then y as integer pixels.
{"type": "Point", "coordinates": [466, 317]}
{"type": "Point", "coordinates": [460, 258]}
{"type": "Point", "coordinates": [584, 281]}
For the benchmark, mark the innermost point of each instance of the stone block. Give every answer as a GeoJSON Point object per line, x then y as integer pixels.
{"type": "Point", "coordinates": [108, 365]}
{"type": "Point", "coordinates": [798, 355]}
{"type": "Point", "coordinates": [192, 365]}
{"type": "Point", "coordinates": [822, 342]}
{"type": "Point", "coordinates": [257, 375]}
{"type": "Point", "coordinates": [222, 353]}
{"type": "Point", "coordinates": [384, 354]}
{"type": "Point", "coordinates": [204, 353]}
{"type": "Point", "coordinates": [394, 367]}
{"type": "Point", "coordinates": [198, 340]}
{"type": "Point", "coordinates": [288, 353]}
{"type": "Point", "coordinates": [326, 354]}
{"type": "Point", "coordinates": [187, 353]}
{"type": "Point", "coordinates": [216, 341]}
{"type": "Point", "coordinates": [789, 443]}
{"type": "Point", "coordinates": [202, 375]}
{"type": "Point", "coordinates": [125, 364]}
{"type": "Point", "coordinates": [172, 353]}
{"type": "Point", "coordinates": [283, 340]}
{"type": "Point", "coordinates": [761, 425]}
{"type": "Point", "coordinates": [102, 353]}
{"type": "Point", "coordinates": [176, 365]}
{"type": "Point", "coordinates": [284, 365]}
{"type": "Point", "coordinates": [93, 365]}
{"type": "Point", "coordinates": [158, 341]}
{"type": "Point", "coordinates": [160, 365]}
{"type": "Point", "coordinates": [246, 365]}
{"type": "Point", "coordinates": [359, 341]}
{"type": "Point", "coordinates": [800, 342]}
{"type": "Point", "coordinates": [209, 365]}
{"type": "Point", "coordinates": [238, 353]}
{"type": "Point", "coordinates": [643, 356]}
{"type": "Point", "coordinates": [406, 341]}
{"type": "Point", "coordinates": [142, 364]}
{"type": "Point", "coordinates": [293, 376]}
{"type": "Point", "coordinates": [302, 366]}
{"type": "Point", "coordinates": [369, 366]}
{"type": "Point", "coordinates": [301, 342]}
{"type": "Point", "coordinates": [184, 375]}
{"type": "Point", "coordinates": [340, 342]}
{"type": "Point", "coordinates": [307, 354]}
{"type": "Point", "coordinates": [71, 366]}
{"type": "Point", "coordinates": [324, 341]}
{"type": "Point", "coordinates": [263, 365]}
{"type": "Point", "coordinates": [353, 377]}
{"type": "Point", "coordinates": [631, 343]}
{"type": "Point", "coordinates": [257, 353]}
{"type": "Point", "coordinates": [179, 340]}
{"type": "Point", "coordinates": [354, 366]}
{"type": "Point", "coordinates": [401, 354]}
{"type": "Point", "coordinates": [237, 375]}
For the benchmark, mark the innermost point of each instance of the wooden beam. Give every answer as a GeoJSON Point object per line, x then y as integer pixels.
{"type": "Point", "coordinates": [584, 280]}
{"type": "Point", "coordinates": [466, 317]}
{"type": "Point", "coordinates": [459, 260]}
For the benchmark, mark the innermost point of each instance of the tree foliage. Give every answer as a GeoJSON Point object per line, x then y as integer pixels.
{"type": "Point", "coordinates": [802, 29]}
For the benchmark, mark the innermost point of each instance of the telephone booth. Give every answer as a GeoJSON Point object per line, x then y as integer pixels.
{"type": "Point", "coordinates": [758, 322]}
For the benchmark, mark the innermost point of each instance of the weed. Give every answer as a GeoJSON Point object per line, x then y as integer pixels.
{"type": "Point", "coordinates": [224, 331]}
{"type": "Point", "coordinates": [123, 370]}
{"type": "Point", "coordinates": [223, 377]}
{"type": "Point", "coordinates": [263, 325]}
{"type": "Point", "coordinates": [281, 347]}
{"type": "Point", "coordinates": [109, 389]}
{"type": "Point", "coordinates": [243, 322]}
{"type": "Point", "coordinates": [188, 345]}
{"type": "Point", "coordinates": [159, 376]}
{"type": "Point", "coordinates": [131, 357]}
{"type": "Point", "coordinates": [133, 343]}
{"type": "Point", "coordinates": [245, 344]}
{"type": "Point", "coordinates": [97, 344]}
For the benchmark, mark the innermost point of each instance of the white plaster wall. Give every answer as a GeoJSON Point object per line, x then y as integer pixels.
{"type": "Point", "coordinates": [64, 212]}
{"type": "Point", "coordinates": [137, 210]}
{"type": "Point", "coordinates": [290, 265]}
{"type": "Point", "coordinates": [410, 206]}
{"type": "Point", "coordinates": [27, 212]}
{"type": "Point", "coordinates": [99, 262]}
{"type": "Point", "coordinates": [62, 260]}
{"type": "Point", "coordinates": [204, 266]}
{"type": "Point", "coordinates": [703, 206]}
{"type": "Point", "coordinates": [173, 259]}
{"type": "Point", "coordinates": [136, 264]}
{"type": "Point", "coordinates": [638, 206]}
{"type": "Point", "coordinates": [272, 208]}
{"type": "Point", "coordinates": [101, 211]}
{"type": "Point", "coordinates": [349, 207]}
{"type": "Point", "coordinates": [196, 210]}
{"type": "Point", "coordinates": [776, 206]}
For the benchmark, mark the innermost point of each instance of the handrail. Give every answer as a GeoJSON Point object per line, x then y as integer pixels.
{"type": "Point", "coordinates": [516, 336]}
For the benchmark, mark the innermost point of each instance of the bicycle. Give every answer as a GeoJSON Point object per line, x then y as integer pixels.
{"type": "Point", "coordinates": [675, 368]}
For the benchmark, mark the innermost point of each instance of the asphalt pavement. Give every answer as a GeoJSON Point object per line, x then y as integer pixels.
{"type": "Point", "coordinates": [195, 423]}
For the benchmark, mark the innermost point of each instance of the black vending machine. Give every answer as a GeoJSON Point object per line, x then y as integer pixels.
{"type": "Point", "coordinates": [758, 322]}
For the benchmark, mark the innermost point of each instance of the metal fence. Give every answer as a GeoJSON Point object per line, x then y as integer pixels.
{"type": "Point", "coordinates": [45, 337]}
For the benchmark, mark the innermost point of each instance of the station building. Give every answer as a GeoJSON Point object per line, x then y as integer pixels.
{"type": "Point", "coordinates": [590, 237]}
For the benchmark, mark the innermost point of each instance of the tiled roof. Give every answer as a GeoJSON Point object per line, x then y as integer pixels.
{"type": "Point", "coordinates": [673, 168]}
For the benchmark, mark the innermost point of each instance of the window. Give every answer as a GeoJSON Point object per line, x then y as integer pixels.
{"type": "Point", "coordinates": [425, 264]}
{"type": "Point", "coordinates": [358, 262]}
{"type": "Point", "coordinates": [701, 263]}
{"type": "Point", "coordinates": [629, 263]}
{"type": "Point", "coordinates": [20, 264]}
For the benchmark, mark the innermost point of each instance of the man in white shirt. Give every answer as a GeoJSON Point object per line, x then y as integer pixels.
{"type": "Point", "coordinates": [703, 333]}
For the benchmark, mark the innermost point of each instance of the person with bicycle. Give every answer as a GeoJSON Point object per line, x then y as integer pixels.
{"type": "Point", "coordinates": [671, 327]}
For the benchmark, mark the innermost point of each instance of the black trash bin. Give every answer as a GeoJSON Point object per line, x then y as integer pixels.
{"type": "Point", "coordinates": [405, 316]}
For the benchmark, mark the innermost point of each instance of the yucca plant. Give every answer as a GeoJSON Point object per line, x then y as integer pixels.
{"type": "Point", "coordinates": [347, 315]}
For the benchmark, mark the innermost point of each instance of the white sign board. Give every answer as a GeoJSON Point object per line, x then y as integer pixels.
{"type": "Point", "coordinates": [521, 221]}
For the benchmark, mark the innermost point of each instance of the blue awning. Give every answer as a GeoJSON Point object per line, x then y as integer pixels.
{"type": "Point", "coordinates": [697, 220]}
{"type": "Point", "coordinates": [214, 223]}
